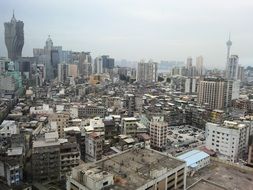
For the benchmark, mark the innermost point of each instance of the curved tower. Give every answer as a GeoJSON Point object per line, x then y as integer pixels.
{"type": "Point", "coordinates": [14, 38]}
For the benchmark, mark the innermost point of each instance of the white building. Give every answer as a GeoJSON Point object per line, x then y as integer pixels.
{"type": "Point", "coordinates": [42, 110]}
{"type": "Point", "coordinates": [8, 128]}
{"type": "Point", "coordinates": [98, 65]}
{"type": "Point", "coordinates": [190, 85]}
{"type": "Point", "coordinates": [232, 68]}
{"type": "Point", "coordinates": [229, 140]}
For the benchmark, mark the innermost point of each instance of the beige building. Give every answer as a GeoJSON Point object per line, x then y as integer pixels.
{"type": "Point", "coordinates": [61, 121]}
{"type": "Point", "coordinates": [158, 133]}
{"type": "Point", "coordinates": [212, 93]}
{"type": "Point", "coordinates": [134, 169]}
{"type": "Point", "coordinates": [73, 70]}
{"type": "Point", "coordinates": [199, 66]}
{"type": "Point", "coordinates": [217, 93]}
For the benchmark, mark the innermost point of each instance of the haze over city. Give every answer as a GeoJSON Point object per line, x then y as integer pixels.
{"type": "Point", "coordinates": [135, 30]}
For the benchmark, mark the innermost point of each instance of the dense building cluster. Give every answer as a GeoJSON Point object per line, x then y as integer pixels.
{"type": "Point", "coordinates": [68, 121]}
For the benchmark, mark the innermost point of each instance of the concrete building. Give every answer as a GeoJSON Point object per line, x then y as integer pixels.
{"type": "Point", "coordinates": [138, 169]}
{"type": "Point", "coordinates": [41, 110]}
{"type": "Point", "coordinates": [158, 133]}
{"type": "Point", "coordinates": [8, 128]}
{"type": "Point", "coordinates": [61, 119]}
{"type": "Point", "coordinates": [195, 160]}
{"type": "Point", "coordinates": [63, 72]}
{"type": "Point", "coordinates": [8, 85]}
{"type": "Point", "coordinates": [129, 126]}
{"type": "Point", "coordinates": [98, 65]}
{"type": "Point", "coordinates": [50, 57]}
{"type": "Point", "coordinates": [73, 70]}
{"type": "Point", "coordinates": [53, 158]}
{"type": "Point", "coordinates": [91, 111]}
{"type": "Point", "coordinates": [147, 72]}
{"type": "Point", "coordinates": [14, 38]}
{"type": "Point", "coordinates": [93, 146]}
{"type": "Point", "coordinates": [4, 62]}
{"type": "Point", "coordinates": [229, 140]}
{"type": "Point", "coordinates": [11, 171]}
{"type": "Point", "coordinates": [189, 63]}
{"type": "Point", "coordinates": [250, 155]}
{"type": "Point", "coordinates": [241, 75]}
{"type": "Point", "coordinates": [232, 68]}
{"type": "Point", "coordinates": [217, 93]}
{"type": "Point", "coordinates": [190, 85]}
{"type": "Point", "coordinates": [130, 104]}
{"type": "Point", "coordinates": [199, 66]}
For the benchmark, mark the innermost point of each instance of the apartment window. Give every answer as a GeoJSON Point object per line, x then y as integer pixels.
{"type": "Point", "coordinates": [105, 183]}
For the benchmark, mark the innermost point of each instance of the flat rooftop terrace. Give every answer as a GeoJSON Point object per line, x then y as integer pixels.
{"type": "Point", "coordinates": [223, 175]}
{"type": "Point", "coordinates": [135, 167]}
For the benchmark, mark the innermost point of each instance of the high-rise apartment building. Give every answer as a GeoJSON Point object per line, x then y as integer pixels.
{"type": "Point", "coordinates": [73, 70]}
{"type": "Point", "coordinates": [158, 133]}
{"type": "Point", "coordinates": [232, 68]}
{"type": "Point", "coordinates": [212, 93]}
{"type": "Point", "coordinates": [189, 63]}
{"type": "Point", "coordinates": [63, 72]}
{"type": "Point", "coordinates": [50, 57]}
{"type": "Point", "coordinates": [147, 72]}
{"type": "Point", "coordinates": [217, 93]}
{"type": "Point", "coordinates": [98, 65]}
{"type": "Point", "coordinates": [130, 104]}
{"type": "Point", "coordinates": [190, 85]}
{"type": "Point", "coordinates": [241, 75]}
{"type": "Point", "coordinates": [14, 38]}
{"type": "Point", "coordinates": [229, 140]}
{"type": "Point", "coordinates": [199, 66]}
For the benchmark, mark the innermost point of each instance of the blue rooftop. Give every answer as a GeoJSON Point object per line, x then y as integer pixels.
{"type": "Point", "coordinates": [193, 157]}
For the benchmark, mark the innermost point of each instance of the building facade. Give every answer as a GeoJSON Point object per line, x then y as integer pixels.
{"type": "Point", "coordinates": [14, 38]}
{"type": "Point", "coordinates": [229, 140]}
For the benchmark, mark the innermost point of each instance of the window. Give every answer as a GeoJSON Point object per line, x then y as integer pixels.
{"type": "Point", "coordinates": [105, 183]}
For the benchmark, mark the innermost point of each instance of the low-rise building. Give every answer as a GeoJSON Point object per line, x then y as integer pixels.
{"type": "Point", "coordinates": [195, 160]}
{"type": "Point", "coordinates": [129, 126]}
{"type": "Point", "coordinates": [8, 128]}
{"type": "Point", "coordinates": [138, 169]}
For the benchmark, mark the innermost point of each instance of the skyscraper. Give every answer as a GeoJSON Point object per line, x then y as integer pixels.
{"type": "Point", "coordinates": [232, 67]}
{"type": "Point", "coordinates": [147, 72]}
{"type": "Point", "coordinates": [14, 38]}
{"type": "Point", "coordinates": [199, 65]}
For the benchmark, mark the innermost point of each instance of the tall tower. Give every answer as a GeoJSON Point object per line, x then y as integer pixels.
{"type": "Point", "coordinates": [229, 44]}
{"type": "Point", "coordinates": [14, 38]}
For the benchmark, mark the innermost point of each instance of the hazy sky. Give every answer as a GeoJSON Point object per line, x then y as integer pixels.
{"type": "Point", "coordinates": [137, 29]}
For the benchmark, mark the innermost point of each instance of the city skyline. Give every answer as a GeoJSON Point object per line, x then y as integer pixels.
{"type": "Point", "coordinates": [133, 30]}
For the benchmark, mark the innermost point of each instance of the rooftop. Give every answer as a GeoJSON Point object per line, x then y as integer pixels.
{"type": "Point", "coordinates": [192, 157]}
{"type": "Point", "coordinates": [135, 167]}
{"type": "Point", "coordinates": [205, 185]}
